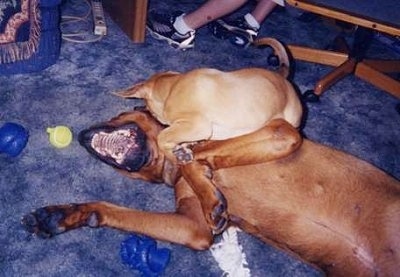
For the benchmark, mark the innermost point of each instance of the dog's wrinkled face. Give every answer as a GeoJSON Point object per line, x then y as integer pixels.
{"type": "Point", "coordinates": [124, 147]}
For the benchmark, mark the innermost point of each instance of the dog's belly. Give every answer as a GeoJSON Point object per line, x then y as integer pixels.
{"type": "Point", "coordinates": [230, 106]}
{"type": "Point", "coordinates": [320, 203]}
{"type": "Point", "coordinates": [225, 125]}
{"type": "Point", "coordinates": [221, 132]}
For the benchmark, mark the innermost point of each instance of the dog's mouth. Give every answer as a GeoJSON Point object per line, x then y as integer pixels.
{"type": "Point", "coordinates": [124, 147]}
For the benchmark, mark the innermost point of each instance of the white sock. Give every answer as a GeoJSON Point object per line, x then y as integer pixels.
{"type": "Point", "coordinates": [252, 21]}
{"type": "Point", "coordinates": [181, 26]}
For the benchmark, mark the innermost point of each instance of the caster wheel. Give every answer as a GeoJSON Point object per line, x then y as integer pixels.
{"type": "Point", "coordinates": [310, 96]}
{"type": "Point", "coordinates": [273, 60]}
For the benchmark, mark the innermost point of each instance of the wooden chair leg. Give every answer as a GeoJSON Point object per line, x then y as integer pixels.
{"type": "Point", "coordinates": [344, 65]}
{"type": "Point", "coordinates": [334, 76]}
{"type": "Point", "coordinates": [386, 66]}
{"type": "Point", "coordinates": [377, 78]}
{"type": "Point", "coordinates": [325, 57]}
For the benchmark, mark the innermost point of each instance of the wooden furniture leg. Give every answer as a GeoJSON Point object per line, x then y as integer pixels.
{"type": "Point", "coordinates": [130, 16]}
{"type": "Point", "coordinates": [370, 74]}
{"type": "Point", "coordinates": [140, 17]}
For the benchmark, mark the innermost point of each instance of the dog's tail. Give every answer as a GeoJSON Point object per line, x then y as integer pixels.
{"type": "Point", "coordinates": [279, 51]}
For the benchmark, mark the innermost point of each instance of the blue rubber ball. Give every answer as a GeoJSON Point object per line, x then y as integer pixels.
{"type": "Point", "coordinates": [13, 139]}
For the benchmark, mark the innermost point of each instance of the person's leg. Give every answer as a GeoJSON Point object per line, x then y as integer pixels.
{"type": "Point", "coordinates": [210, 11]}
{"type": "Point", "coordinates": [262, 10]}
{"type": "Point", "coordinates": [179, 29]}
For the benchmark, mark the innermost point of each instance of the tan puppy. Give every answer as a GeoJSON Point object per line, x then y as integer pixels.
{"type": "Point", "coordinates": [325, 206]}
{"type": "Point", "coordinates": [207, 103]}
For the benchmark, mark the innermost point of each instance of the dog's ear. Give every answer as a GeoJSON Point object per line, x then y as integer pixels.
{"type": "Point", "coordinates": [136, 91]}
{"type": "Point", "coordinates": [141, 89]}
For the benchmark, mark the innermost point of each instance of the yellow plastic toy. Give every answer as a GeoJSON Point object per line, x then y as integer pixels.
{"type": "Point", "coordinates": [60, 136]}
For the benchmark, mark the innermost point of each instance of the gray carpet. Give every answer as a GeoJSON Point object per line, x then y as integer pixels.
{"type": "Point", "coordinates": [352, 116]}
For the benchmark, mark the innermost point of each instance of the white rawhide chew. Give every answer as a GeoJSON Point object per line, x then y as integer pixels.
{"type": "Point", "coordinates": [229, 255]}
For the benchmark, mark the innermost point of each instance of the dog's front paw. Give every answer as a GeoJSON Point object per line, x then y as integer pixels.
{"type": "Point", "coordinates": [183, 154]}
{"type": "Point", "coordinates": [44, 223]}
{"type": "Point", "coordinates": [50, 221]}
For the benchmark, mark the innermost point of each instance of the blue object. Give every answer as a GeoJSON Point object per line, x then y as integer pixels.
{"type": "Point", "coordinates": [141, 253]}
{"type": "Point", "coordinates": [13, 139]}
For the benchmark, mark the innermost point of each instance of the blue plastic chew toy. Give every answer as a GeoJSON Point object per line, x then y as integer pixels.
{"type": "Point", "coordinates": [141, 253]}
{"type": "Point", "coordinates": [13, 139]}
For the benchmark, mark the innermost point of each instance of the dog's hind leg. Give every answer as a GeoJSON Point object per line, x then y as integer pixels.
{"type": "Point", "coordinates": [186, 226]}
{"type": "Point", "coordinates": [276, 140]}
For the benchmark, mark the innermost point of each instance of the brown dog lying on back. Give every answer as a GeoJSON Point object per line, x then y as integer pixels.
{"type": "Point", "coordinates": [208, 104]}
{"type": "Point", "coordinates": [327, 207]}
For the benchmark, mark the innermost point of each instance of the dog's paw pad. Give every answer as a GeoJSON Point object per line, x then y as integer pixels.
{"type": "Point", "coordinates": [29, 222]}
{"type": "Point", "coordinates": [183, 155]}
{"type": "Point", "coordinates": [42, 223]}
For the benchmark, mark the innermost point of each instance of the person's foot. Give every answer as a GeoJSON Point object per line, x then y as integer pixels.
{"type": "Point", "coordinates": [161, 27]}
{"type": "Point", "coordinates": [238, 31]}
